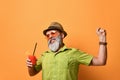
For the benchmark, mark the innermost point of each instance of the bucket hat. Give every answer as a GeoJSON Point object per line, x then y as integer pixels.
{"type": "Point", "coordinates": [55, 26]}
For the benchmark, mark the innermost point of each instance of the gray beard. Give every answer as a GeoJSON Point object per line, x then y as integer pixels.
{"type": "Point", "coordinates": [55, 45]}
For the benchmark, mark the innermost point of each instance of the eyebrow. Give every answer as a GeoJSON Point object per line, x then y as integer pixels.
{"type": "Point", "coordinates": [54, 31]}
{"type": "Point", "coordinates": [51, 32]}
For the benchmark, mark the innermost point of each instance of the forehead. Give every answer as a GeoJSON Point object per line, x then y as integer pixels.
{"type": "Point", "coordinates": [54, 31]}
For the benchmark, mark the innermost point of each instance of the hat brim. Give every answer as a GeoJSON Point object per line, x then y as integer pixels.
{"type": "Point", "coordinates": [53, 28]}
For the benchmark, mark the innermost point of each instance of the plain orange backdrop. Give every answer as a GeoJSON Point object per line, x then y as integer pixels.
{"type": "Point", "coordinates": [22, 23]}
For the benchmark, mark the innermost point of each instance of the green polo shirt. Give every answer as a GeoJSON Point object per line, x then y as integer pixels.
{"type": "Point", "coordinates": [62, 65]}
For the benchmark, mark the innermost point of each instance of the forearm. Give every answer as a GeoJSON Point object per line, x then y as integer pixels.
{"type": "Point", "coordinates": [32, 71]}
{"type": "Point", "coordinates": [102, 53]}
{"type": "Point", "coordinates": [102, 56]}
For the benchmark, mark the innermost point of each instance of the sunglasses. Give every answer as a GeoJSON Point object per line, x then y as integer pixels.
{"type": "Point", "coordinates": [52, 33]}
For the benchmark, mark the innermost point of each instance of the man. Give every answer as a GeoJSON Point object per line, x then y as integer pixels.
{"type": "Point", "coordinates": [62, 63]}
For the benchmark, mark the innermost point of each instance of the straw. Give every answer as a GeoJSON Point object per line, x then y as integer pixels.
{"type": "Point", "coordinates": [34, 48]}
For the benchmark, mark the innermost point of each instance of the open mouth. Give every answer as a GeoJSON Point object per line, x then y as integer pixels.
{"type": "Point", "coordinates": [52, 40]}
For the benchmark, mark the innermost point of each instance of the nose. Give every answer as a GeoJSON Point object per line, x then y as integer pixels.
{"type": "Point", "coordinates": [50, 36]}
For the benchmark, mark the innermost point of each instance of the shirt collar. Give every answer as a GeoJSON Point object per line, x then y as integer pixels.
{"type": "Point", "coordinates": [63, 48]}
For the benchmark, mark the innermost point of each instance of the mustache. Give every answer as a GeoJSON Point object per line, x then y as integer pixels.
{"type": "Point", "coordinates": [49, 41]}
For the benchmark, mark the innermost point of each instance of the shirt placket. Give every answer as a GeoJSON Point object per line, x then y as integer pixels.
{"type": "Point", "coordinates": [55, 67]}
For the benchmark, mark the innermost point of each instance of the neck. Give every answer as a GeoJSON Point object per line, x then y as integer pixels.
{"type": "Point", "coordinates": [60, 47]}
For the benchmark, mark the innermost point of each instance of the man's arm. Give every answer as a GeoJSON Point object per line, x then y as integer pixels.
{"type": "Point", "coordinates": [31, 68]}
{"type": "Point", "coordinates": [102, 54]}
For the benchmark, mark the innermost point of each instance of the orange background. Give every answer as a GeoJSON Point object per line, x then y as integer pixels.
{"type": "Point", "coordinates": [22, 23]}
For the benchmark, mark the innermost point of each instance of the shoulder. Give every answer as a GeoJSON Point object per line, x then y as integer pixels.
{"type": "Point", "coordinates": [74, 49]}
{"type": "Point", "coordinates": [43, 53]}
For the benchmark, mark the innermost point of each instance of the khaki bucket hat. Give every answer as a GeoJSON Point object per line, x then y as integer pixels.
{"type": "Point", "coordinates": [55, 26]}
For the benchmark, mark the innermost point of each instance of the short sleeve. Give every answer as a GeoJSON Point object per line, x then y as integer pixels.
{"type": "Point", "coordinates": [38, 65]}
{"type": "Point", "coordinates": [82, 57]}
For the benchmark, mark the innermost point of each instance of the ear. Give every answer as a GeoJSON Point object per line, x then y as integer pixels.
{"type": "Point", "coordinates": [62, 35]}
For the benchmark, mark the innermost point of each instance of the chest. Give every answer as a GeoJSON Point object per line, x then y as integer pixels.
{"type": "Point", "coordinates": [56, 61]}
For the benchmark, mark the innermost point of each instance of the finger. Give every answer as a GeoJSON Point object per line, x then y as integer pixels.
{"type": "Point", "coordinates": [29, 64]}
{"type": "Point", "coordinates": [28, 60]}
{"type": "Point", "coordinates": [102, 30]}
{"type": "Point", "coordinates": [98, 29]}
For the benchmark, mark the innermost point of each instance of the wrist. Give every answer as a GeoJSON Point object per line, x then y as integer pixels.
{"type": "Point", "coordinates": [102, 43]}
{"type": "Point", "coordinates": [102, 39]}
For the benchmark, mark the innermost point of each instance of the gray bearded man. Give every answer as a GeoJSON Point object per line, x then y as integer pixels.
{"type": "Point", "coordinates": [61, 62]}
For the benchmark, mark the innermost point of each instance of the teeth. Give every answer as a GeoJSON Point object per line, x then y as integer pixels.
{"type": "Point", "coordinates": [52, 41]}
